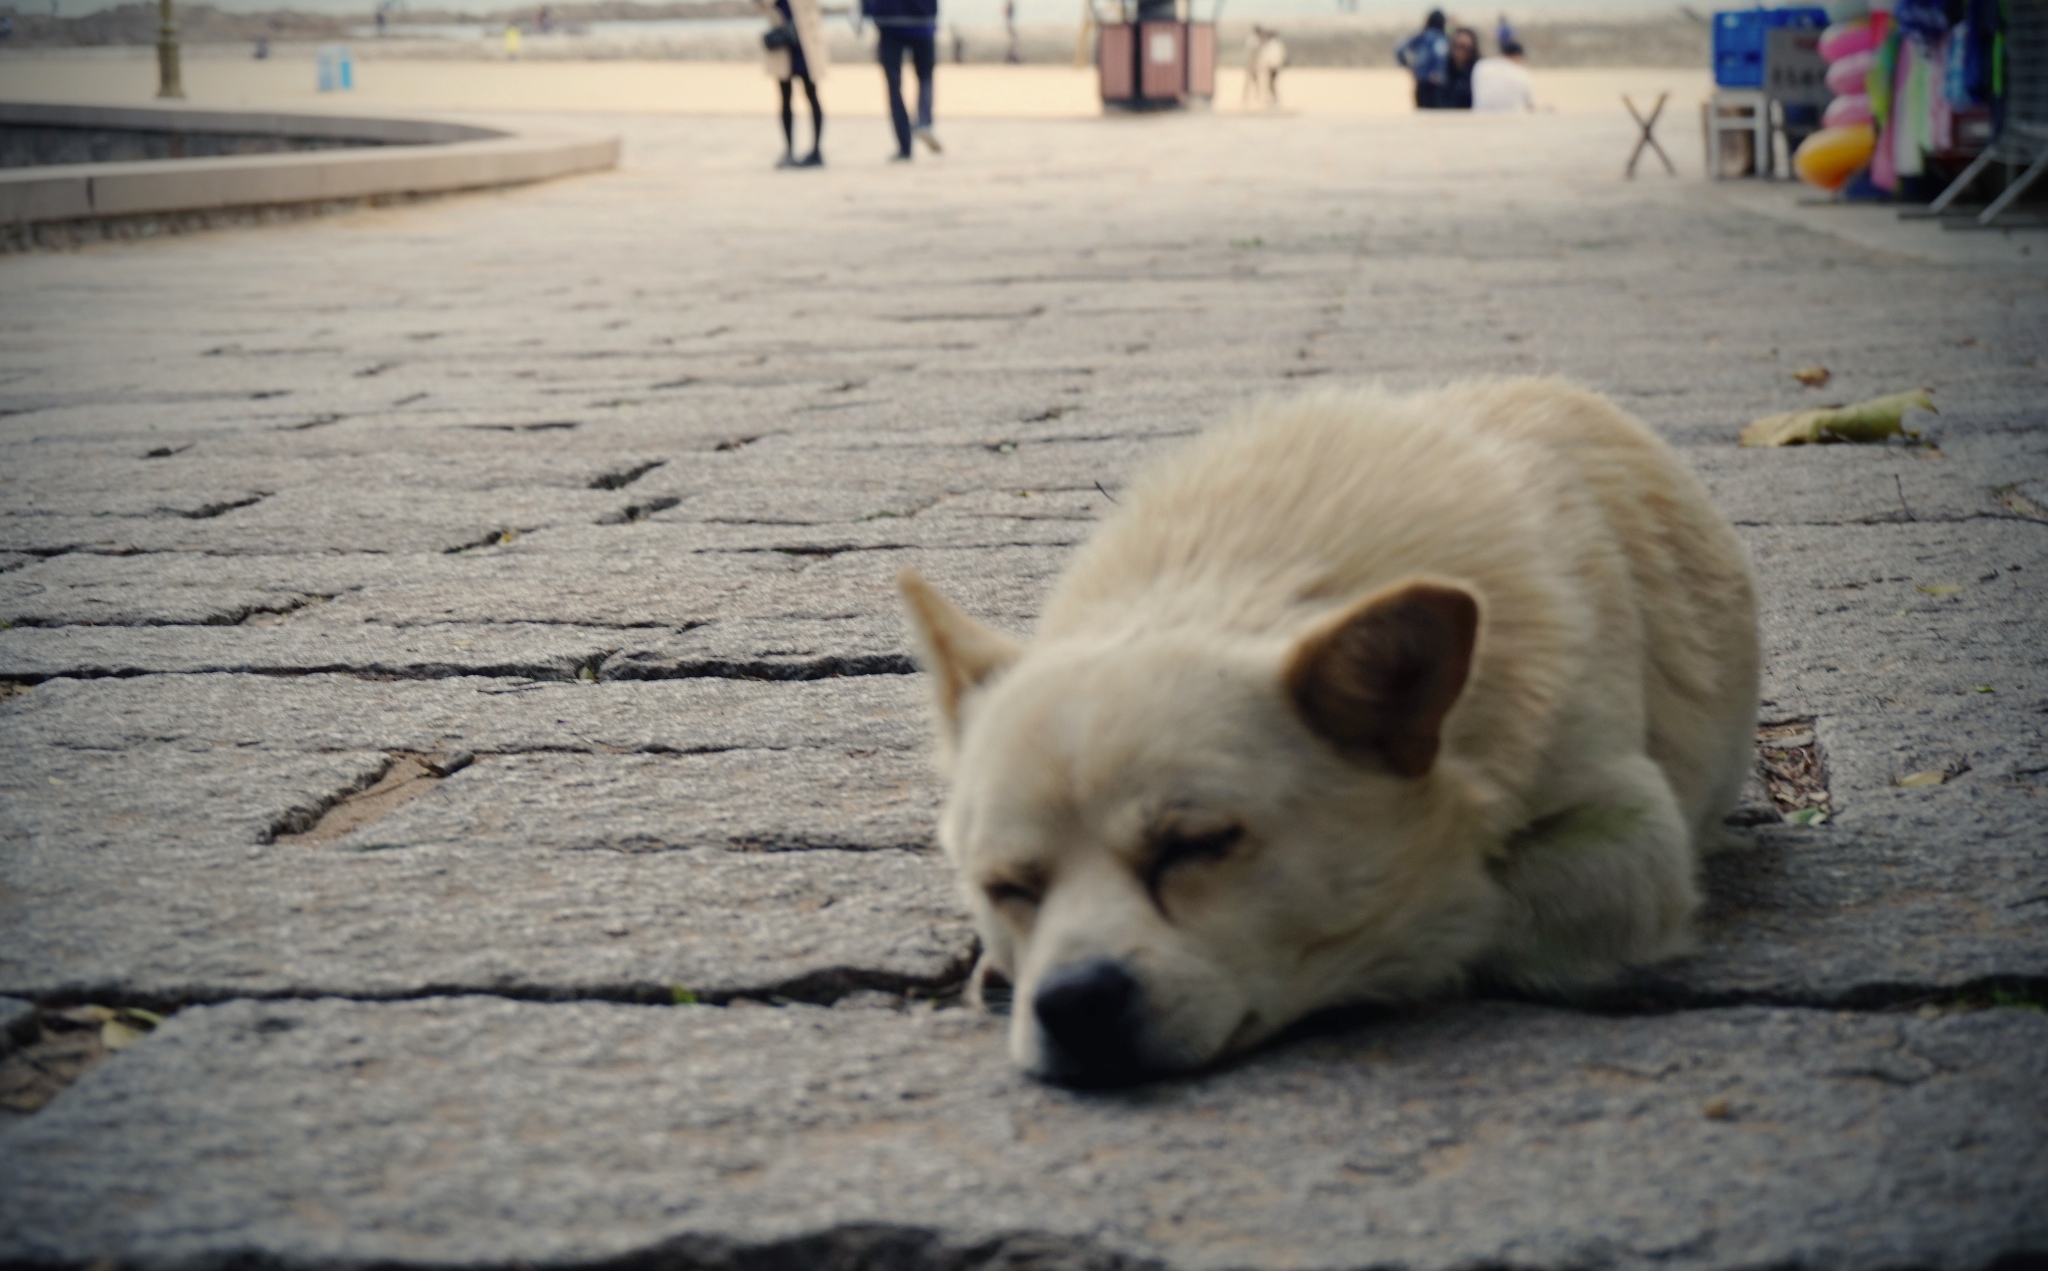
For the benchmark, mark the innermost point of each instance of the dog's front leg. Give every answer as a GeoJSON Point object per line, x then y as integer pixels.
{"type": "Point", "coordinates": [1606, 882]}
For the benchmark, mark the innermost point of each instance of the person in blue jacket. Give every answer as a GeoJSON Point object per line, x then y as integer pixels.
{"type": "Point", "coordinates": [907, 26]}
{"type": "Point", "coordinates": [1427, 55]}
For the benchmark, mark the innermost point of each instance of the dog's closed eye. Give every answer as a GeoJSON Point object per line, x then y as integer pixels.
{"type": "Point", "coordinates": [1002, 892]}
{"type": "Point", "coordinates": [1175, 846]}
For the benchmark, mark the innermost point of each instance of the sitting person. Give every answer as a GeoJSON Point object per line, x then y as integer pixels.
{"type": "Point", "coordinates": [1502, 83]}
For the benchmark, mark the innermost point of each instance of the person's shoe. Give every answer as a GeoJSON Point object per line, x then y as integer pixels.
{"type": "Point", "coordinates": [901, 156]}
{"type": "Point", "coordinates": [787, 161]}
{"type": "Point", "coordinates": [930, 139]}
{"type": "Point", "coordinates": [812, 160]}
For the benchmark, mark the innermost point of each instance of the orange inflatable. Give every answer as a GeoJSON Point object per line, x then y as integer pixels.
{"type": "Point", "coordinates": [1828, 158]}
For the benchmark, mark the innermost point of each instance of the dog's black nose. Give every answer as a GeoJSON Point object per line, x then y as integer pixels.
{"type": "Point", "coordinates": [1091, 1013]}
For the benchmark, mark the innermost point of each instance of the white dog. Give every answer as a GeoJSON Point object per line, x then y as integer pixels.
{"type": "Point", "coordinates": [1358, 697]}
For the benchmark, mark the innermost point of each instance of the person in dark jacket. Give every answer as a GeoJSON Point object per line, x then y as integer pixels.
{"type": "Point", "coordinates": [1458, 76]}
{"type": "Point", "coordinates": [1427, 55]}
{"type": "Point", "coordinates": [907, 26]}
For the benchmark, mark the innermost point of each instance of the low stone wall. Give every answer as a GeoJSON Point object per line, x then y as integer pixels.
{"type": "Point", "coordinates": [321, 162]}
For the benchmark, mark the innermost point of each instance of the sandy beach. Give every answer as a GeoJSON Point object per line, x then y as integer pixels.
{"type": "Point", "coordinates": [851, 90]}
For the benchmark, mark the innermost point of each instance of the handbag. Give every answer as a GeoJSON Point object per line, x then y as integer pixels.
{"type": "Point", "coordinates": [778, 37]}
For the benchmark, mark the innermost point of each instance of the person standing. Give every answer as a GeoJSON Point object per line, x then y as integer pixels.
{"type": "Point", "coordinates": [1427, 55]}
{"type": "Point", "coordinates": [796, 52]}
{"type": "Point", "coordinates": [907, 26]}
{"type": "Point", "coordinates": [1502, 83]}
{"type": "Point", "coordinates": [1458, 76]}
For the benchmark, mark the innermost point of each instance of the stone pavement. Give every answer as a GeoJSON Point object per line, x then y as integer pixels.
{"type": "Point", "coordinates": [453, 673]}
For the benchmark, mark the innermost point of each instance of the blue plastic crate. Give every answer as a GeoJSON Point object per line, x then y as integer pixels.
{"type": "Point", "coordinates": [1739, 41]}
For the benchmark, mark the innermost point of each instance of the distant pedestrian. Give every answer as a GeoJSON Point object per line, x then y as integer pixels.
{"type": "Point", "coordinates": [1458, 79]}
{"type": "Point", "coordinates": [1013, 52]}
{"type": "Point", "coordinates": [382, 20]}
{"type": "Point", "coordinates": [796, 52]}
{"type": "Point", "coordinates": [1502, 83]}
{"type": "Point", "coordinates": [959, 45]}
{"type": "Point", "coordinates": [1265, 55]}
{"type": "Point", "coordinates": [1504, 35]}
{"type": "Point", "coordinates": [512, 40]}
{"type": "Point", "coordinates": [262, 47]}
{"type": "Point", "coordinates": [1427, 55]}
{"type": "Point", "coordinates": [907, 26]}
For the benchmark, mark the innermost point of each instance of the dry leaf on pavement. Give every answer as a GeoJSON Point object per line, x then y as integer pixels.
{"type": "Point", "coordinates": [1874, 420]}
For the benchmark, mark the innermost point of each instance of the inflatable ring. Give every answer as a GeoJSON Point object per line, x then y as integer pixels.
{"type": "Point", "coordinates": [1828, 158]}
{"type": "Point", "coordinates": [1847, 112]}
{"type": "Point", "coordinates": [1846, 78]}
{"type": "Point", "coordinates": [1844, 39]}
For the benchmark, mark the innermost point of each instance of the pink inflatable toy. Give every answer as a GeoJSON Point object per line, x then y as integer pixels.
{"type": "Point", "coordinates": [1847, 112]}
{"type": "Point", "coordinates": [1846, 39]}
{"type": "Point", "coordinates": [1846, 77]}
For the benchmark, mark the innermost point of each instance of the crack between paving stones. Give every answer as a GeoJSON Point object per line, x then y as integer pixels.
{"type": "Point", "coordinates": [229, 618]}
{"type": "Point", "coordinates": [825, 668]}
{"type": "Point", "coordinates": [211, 510]}
{"type": "Point", "coordinates": [1892, 518]}
{"type": "Point", "coordinates": [824, 986]}
{"type": "Point", "coordinates": [591, 668]}
{"type": "Point", "coordinates": [623, 477]}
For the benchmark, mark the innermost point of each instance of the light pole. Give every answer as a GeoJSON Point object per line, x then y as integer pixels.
{"type": "Point", "coordinates": [169, 82]}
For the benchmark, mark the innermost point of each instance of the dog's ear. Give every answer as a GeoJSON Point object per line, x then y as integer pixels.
{"type": "Point", "coordinates": [960, 653]}
{"type": "Point", "coordinates": [1377, 681]}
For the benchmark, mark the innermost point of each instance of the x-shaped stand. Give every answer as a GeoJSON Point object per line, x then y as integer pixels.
{"type": "Point", "coordinates": [1649, 137]}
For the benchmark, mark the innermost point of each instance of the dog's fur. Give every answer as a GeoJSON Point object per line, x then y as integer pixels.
{"type": "Point", "coordinates": [1357, 697]}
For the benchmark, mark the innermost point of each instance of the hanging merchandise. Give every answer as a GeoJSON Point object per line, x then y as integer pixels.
{"type": "Point", "coordinates": [1922, 20]}
{"type": "Point", "coordinates": [1882, 85]}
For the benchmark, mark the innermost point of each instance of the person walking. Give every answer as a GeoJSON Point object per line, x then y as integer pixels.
{"type": "Point", "coordinates": [795, 51]}
{"type": "Point", "coordinates": [907, 26]}
{"type": "Point", "coordinates": [1427, 55]}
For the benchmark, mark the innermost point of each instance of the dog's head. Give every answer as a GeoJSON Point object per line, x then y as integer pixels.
{"type": "Point", "coordinates": [1174, 844]}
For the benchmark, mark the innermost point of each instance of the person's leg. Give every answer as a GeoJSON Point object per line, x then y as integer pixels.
{"type": "Point", "coordinates": [788, 123]}
{"type": "Point", "coordinates": [889, 49]}
{"type": "Point", "coordinates": [817, 122]}
{"type": "Point", "coordinates": [923, 55]}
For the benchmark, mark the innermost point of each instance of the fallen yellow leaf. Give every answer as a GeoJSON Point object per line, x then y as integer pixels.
{"type": "Point", "coordinates": [1812, 376]}
{"type": "Point", "coordinates": [119, 1035]}
{"type": "Point", "coordinates": [1874, 420]}
{"type": "Point", "coordinates": [1931, 777]}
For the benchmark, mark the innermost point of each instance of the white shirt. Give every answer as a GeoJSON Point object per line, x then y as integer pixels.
{"type": "Point", "coordinates": [1499, 83]}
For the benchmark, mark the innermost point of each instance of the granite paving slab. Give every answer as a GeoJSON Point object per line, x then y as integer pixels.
{"type": "Point", "coordinates": [325, 1133]}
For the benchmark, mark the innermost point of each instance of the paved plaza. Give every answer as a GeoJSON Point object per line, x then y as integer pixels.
{"type": "Point", "coordinates": [452, 672]}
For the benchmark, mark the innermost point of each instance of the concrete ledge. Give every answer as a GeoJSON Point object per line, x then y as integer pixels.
{"type": "Point", "coordinates": [404, 158]}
